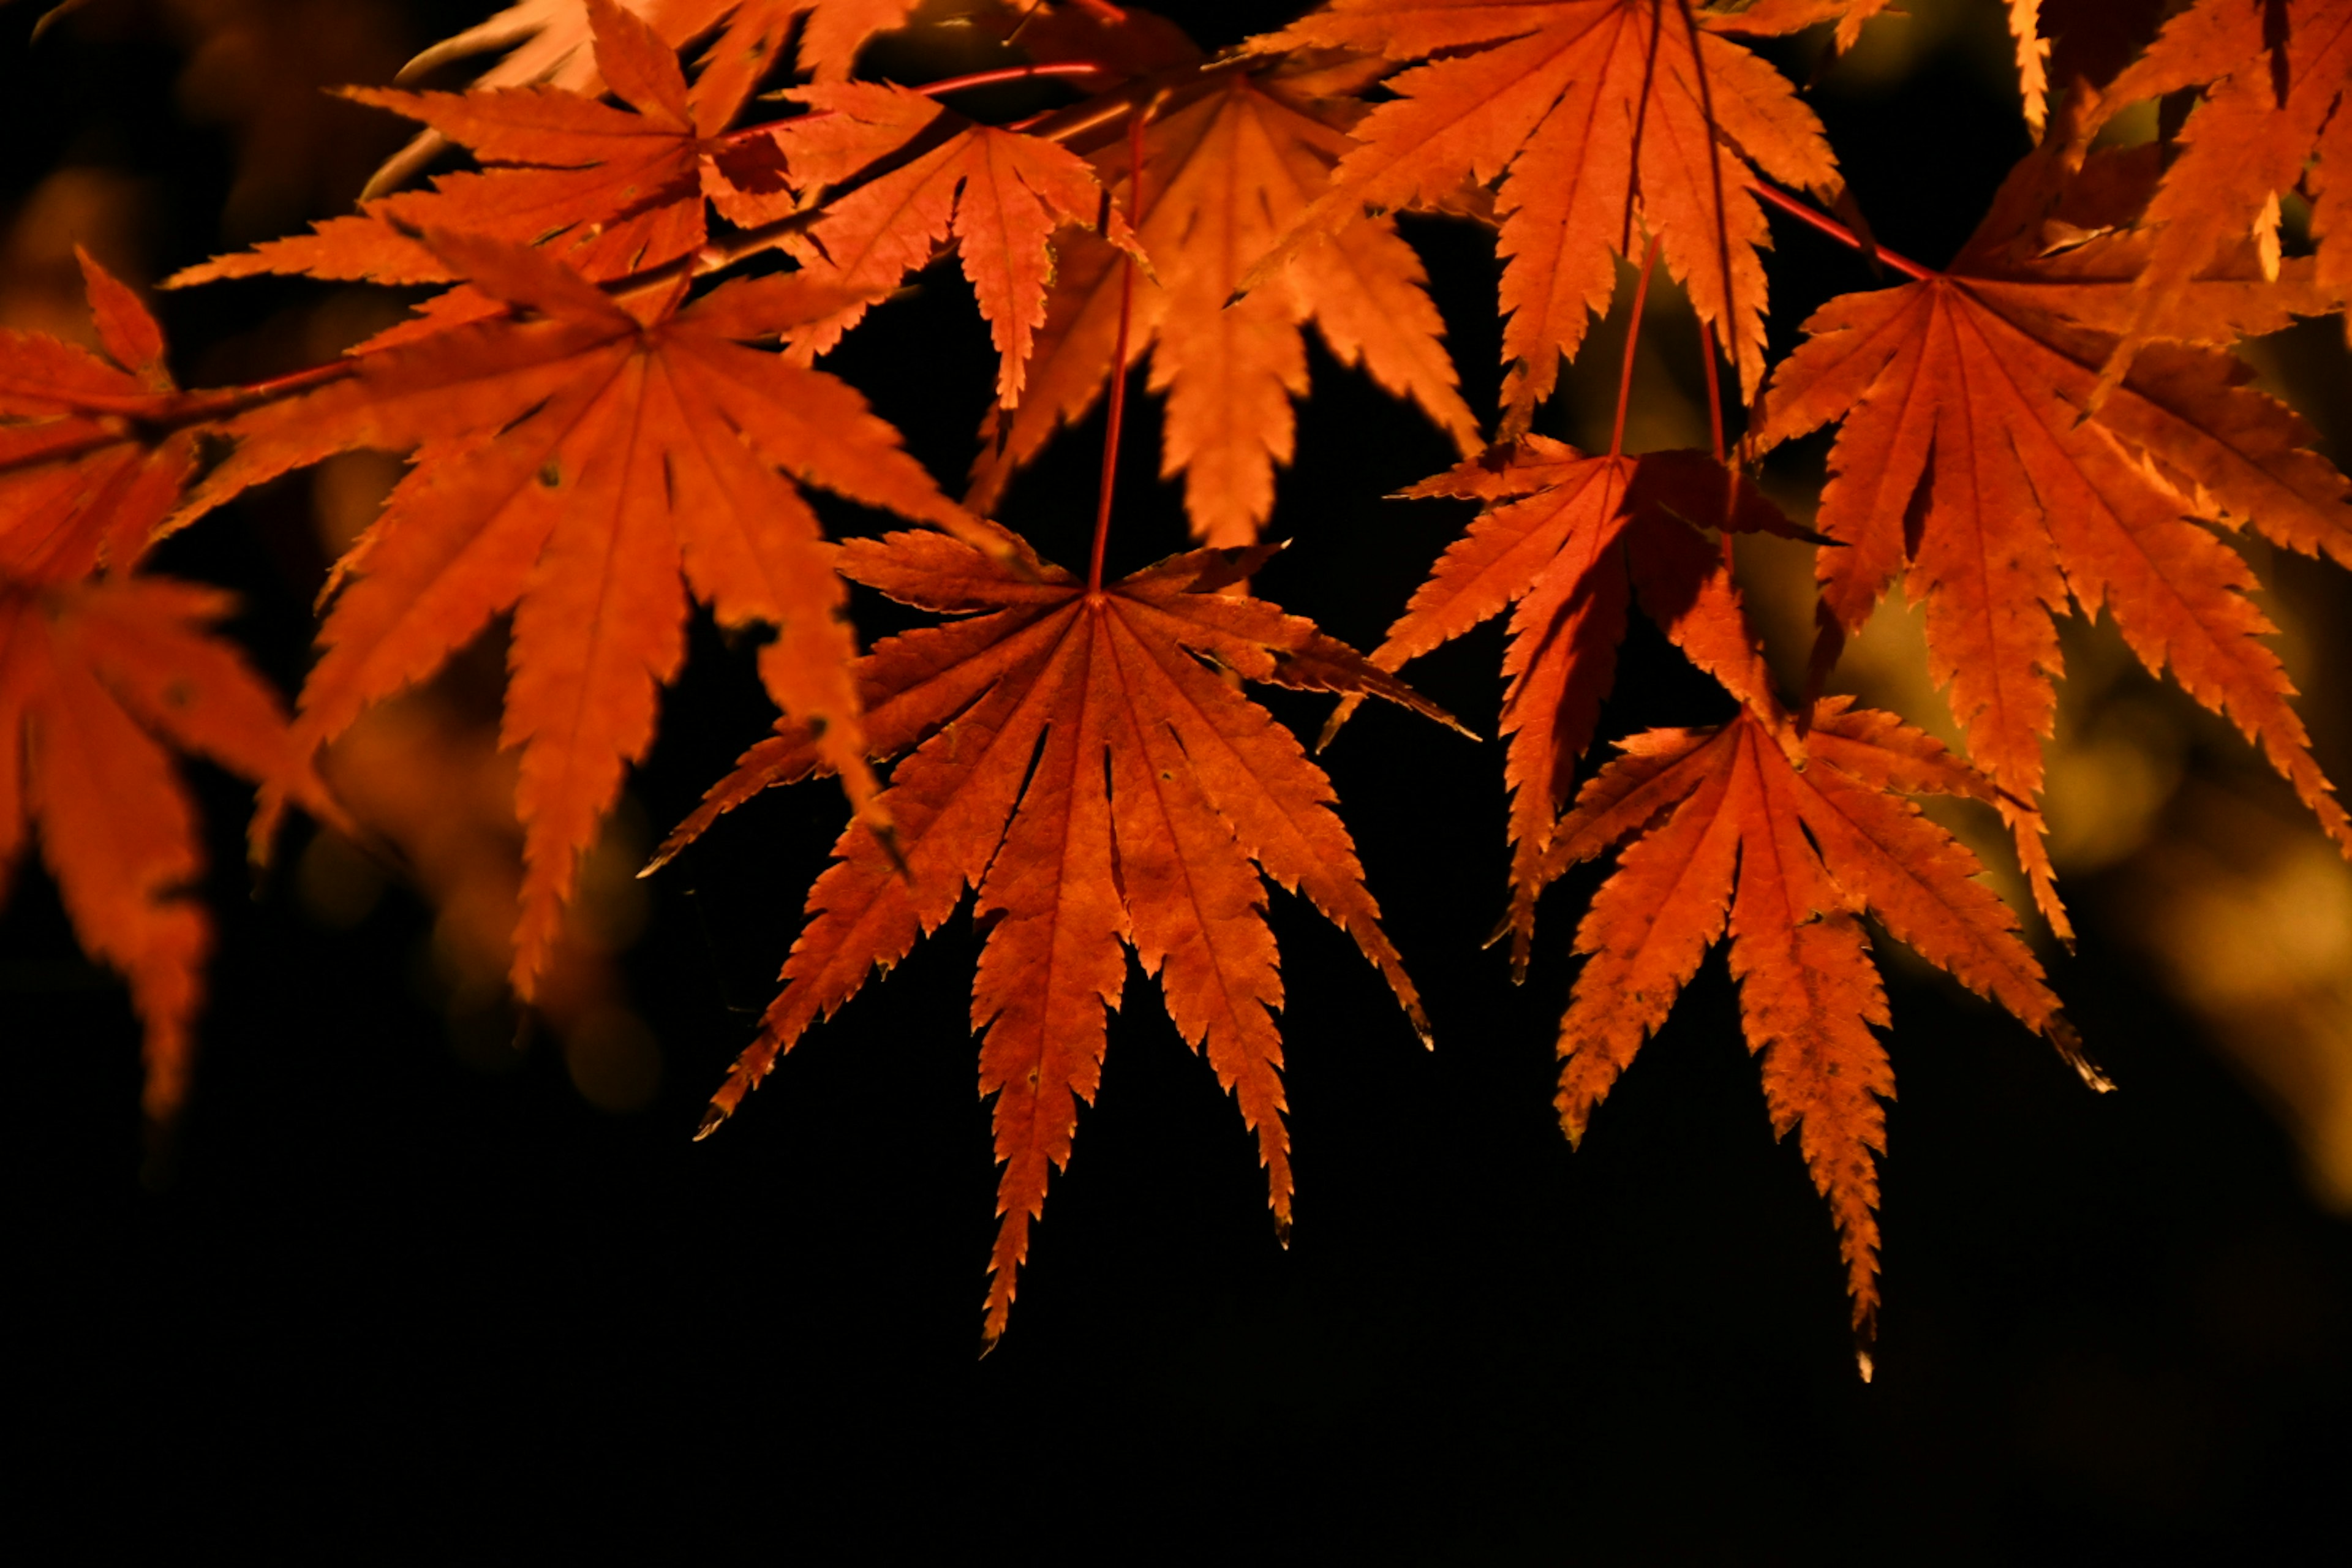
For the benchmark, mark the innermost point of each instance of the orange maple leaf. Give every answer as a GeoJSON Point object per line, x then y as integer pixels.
{"type": "Point", "coordinates": [1603, 119]}
{"type": "Point", "coordinates": [1792, 841]}
{"type": "Point", "coordinates": [83, 478]}
{"type": "Point", "coordinates": [1569, 541]}
{"type": "Point", "coordinates": [1224, 178]}
{"type": "Point", "coordinates": [610, 191]}
{"type": "Point", "coordinates": [1076, 759]}
{"type": "Point", "coordinates": [999, 195]}
{"type": "Point", "coordinates": [2273, 114]}
{"type": "Point", "coordinates": [1966, 459]}
{"type": "Point", "coordinates": [589, 463]}
{"type": "Point", "coordinates": [94, 677]}
{"type": "Point", "coordinates": [547, 40]}
{"type": "Point", "coordinates": [830, 35]}
{"type": "Point", "coordinates": [97, 672]}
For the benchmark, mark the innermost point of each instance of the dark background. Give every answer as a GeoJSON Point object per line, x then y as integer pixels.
{"type": "Point", "coordinates": [378, 1302]}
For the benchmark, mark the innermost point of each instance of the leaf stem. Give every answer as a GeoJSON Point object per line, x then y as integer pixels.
{"type": "Point", "coordinates": [1116, 412]}
{"type": "Point", "coordinates": [1632, 340]}
{"type": "Point", "coordinates": [173, 411]}
{"type": "Point", "coordinates": [1838, 232]}
{"type": "Point", "coordinates": [934, 89]}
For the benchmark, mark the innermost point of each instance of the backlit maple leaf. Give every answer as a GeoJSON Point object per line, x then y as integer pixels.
{"type": "Point", "coordinates": [547, 42]}
{"type": "Point", "coordinates": [588, 464]}
{"type": "Point", "coordinates": [1966, 461]}
{"type": "Point", "coordinates": [998, 195]}
{"type": "Point", "coordinates": [1567, 544]}
{"type": "Point", "coordinates": [1224, 178]}
{"type": "Point", "coordinates": [95, 678]}
{"type": "Point", "coordinates": [84, 474]}
{"type": "Point", "coordinates": [1792, 842]}
{"type": "Point", "coordinates": [1603, 119]}
{"type": "Point", "coordinates": [611, 191]}
{"type": "Point", "coordinates": [2273, 114]}
{"type": "Point", "coordinates": [1076, 758]}
{"type": "Point", "coordinates": [99, 672]}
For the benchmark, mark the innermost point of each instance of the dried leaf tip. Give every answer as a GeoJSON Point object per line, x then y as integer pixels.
{"type": "Point", "coordinates": [2063, 1034]}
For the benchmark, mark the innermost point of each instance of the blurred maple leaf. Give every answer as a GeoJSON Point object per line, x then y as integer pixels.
{"type": "Point", "coordinates": [100, 670]}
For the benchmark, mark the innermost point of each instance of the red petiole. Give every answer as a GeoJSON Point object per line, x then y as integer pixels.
{"type": "Point", "coordinates": [932, 90]}
{"type": "Point", "coordinates": [1838, 231]}
{"type": "Point", "coordinates": [1116, 414]}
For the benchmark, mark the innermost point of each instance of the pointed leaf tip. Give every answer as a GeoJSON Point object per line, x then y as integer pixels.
{"type": "Point", "coordinates": [713, 1115]}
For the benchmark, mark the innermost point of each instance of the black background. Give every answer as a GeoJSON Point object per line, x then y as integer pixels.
{"type": "Point", "coordinates": [386, 1305]}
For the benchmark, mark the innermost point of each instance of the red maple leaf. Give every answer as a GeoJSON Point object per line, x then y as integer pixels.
{"type": "Point", "coordinates": [1567, 544]}
{"type": "Point", "coordinates": [1790, 841]}
{"type": "Point", "coordinates": [1224, 177]}
{"type": "Point", "coordinates": [1603, 120]}
{"type": "Point", "coordinates": [2272, 116]}
{"type": "Point", "coordinates": [998, 197]}
{"type": "Point", "coordinates": [610, 191]}
{"type": "Point", "coordinates": [100, 673]}
{"type": "Point", "coordinates": [588, 463]}
{"type": "Point", "coordinates": [1078, 760]}
{"type": "Point", "coordinates": [1967, 460]}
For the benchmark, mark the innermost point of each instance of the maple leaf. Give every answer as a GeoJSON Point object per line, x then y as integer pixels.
{"type": "Point", "coordinates": [548, 41]}
{"type": "Point", "coordinates": [1568, 542]}
{"type": "Point", "coordinates": [98, 672]}
{"type": "Point", "coordinates": [1076, 758]}
{"type": "Point", "coordinates": [574, 465]}
{"type": "Point", "coordinates": [611, 191]}
{"type": "Point", "coordinates": [998, 195]}
{"type": "Point", "coordinates": [1602, 117]}
{"type": "Point", "coordinates": [1223, 179]}
{"type": "Point", "coordinates": [1966, 459]}
{"type": "Point", "coordinates": [94, 677]}
{"type": "Point", "coordinates": [2275, 75]}
{"type": "Point", "coordinates": [1792, 842]}
{"type": "Point", "coordinates": [84, 479]}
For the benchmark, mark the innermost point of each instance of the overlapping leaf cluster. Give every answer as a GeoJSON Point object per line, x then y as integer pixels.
{"type": "Point", "coordinates": [610, 407]}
